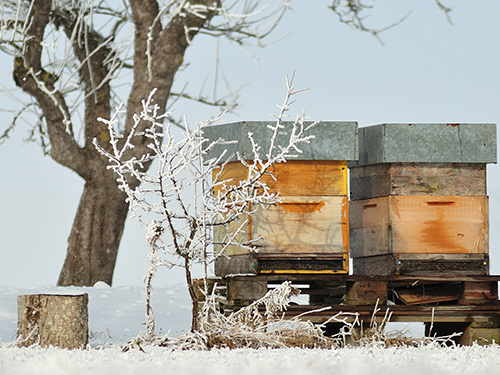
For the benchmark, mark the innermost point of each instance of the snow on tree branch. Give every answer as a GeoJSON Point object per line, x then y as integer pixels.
{"type": "Point", "coordinates": [78, 30]}
{"type": "Point", "coordinates": [176, 202]}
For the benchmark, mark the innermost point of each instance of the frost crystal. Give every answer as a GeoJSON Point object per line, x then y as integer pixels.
{"type": "Point", "coordinates": [177, 202]}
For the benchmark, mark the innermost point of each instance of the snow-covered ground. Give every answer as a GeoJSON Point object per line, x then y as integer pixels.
{"type": "Point", "coordinates": [369, 361]}
{"type": "Point", "coordinates": [117, 314]}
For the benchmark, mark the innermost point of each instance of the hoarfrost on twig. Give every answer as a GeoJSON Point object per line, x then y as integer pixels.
{"type": "Point", "coordinates": [176, 199]}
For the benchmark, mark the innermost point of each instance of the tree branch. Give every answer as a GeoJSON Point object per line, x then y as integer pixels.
{"type": "Point", "coordinates": [166, 50]}
{"type": "Point", "coordinates": [93, 52]}
{"type": "Point", "coordinates": [350, 12]}
{"type": "Point", "coordinates": [446, 10]}
{"type": "Point", "coordinates": [144, 14]}
{"type": "Point", "coordinates": [30, 76]}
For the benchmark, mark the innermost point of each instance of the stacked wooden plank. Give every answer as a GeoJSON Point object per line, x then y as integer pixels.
{"type": "Point", "coordinates": [308, 231]}
{"type": "Point", "coordinates": [418, 199]}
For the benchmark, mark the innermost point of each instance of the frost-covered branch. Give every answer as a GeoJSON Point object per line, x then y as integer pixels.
{"type": "Point", "coordinates": [247, 22]}
{"type": "Point", "coordinates": [259, 325]}
{"type": "Point", "coordinates": [185, 197]}
{"type": "Point", "coordinates": [86, 46]}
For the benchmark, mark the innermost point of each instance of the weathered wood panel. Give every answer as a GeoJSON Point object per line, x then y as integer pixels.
{"type": "Point", "coordinates": [369, 227]}
{"type": "Point", "coordinates": [375, 265]}
{"type": "Point", "coordinates": [248, 289]}
{"type": "Point", "coordinates": [424, 294]}
{"type": "Point", "coordinates": [242, 264]}
{"type": "Point", "coordinates": [312, 219]}
{"type": "Point", "coordinates": [366, 293]}
{"type": "Point", "coordinates": [295, 177]}
{"type": "Point", "coordinates": [298, 225]}
{"type": "Point", "coordinates": [304, 224]}
{"type": "Point", "coordinates": [419, 224]}
{"type": "Point", "coordinates": [419, 313]}
{"type": "Point", "coordinates": [199, 287]}
{"type": "Point", "coordinates": [227, 237]}
{"type": "Point", "coordinates": [479, 292]}
{"type": "Point", "coordinates": [370, 181]}
{"type": "Point", "coordinates": [475, 334]}
{"type": "Point", "coordinates": [453, 224]}
{"type": "Point", "coordinates": [422, 264]}
{"type": "Point", "coordinates": [437, 179]}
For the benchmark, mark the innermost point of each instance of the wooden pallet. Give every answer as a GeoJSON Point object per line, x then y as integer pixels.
{"type": "Point", "coordinates": [464, 303]}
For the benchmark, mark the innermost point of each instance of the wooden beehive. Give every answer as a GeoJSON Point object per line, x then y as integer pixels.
{"type": "Point", "coordinates": [308, 232]}
{"type": "Point", "coordinates": [418, 199]}
{"type": "Point", "coordinates": [436, 179]}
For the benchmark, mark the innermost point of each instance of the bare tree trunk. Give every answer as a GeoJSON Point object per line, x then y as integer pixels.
{"type": "Point", "coordinates": [95, 236]}
{"type": "Point", "coordinates": [99, 222]}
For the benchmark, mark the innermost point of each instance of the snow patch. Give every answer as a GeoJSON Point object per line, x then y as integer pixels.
{"type": "Point", "coordinates": [120, 316]}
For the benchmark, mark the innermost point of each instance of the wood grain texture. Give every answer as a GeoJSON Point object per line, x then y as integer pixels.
{"type": "Point", "coordinates": [242, 264]}
{"type": "Point", "coordinates": [298, 225]}
{"type": "Point", "coordinates": [417, 313]}
{"type": "Point", "coordinates": [225, 240]}
{"type": "Point", "coordinates": [435, 179]}
{"type": "Point", "coordinates": [480, 336]}
{"type": "Point", "coordinates": [53, 320]}
{"type": "Point", "coordinates": [453, 224]}
{"type": "Point", "coordinates": [199, 287]}
{"type": "Point", "coordinates": [311, 220]}
{"type": "Point", "coordinates": [369, 227]}
{"type": "Point", "coordinates": [295, 177]}
{"type": "Point", "coordinates": [376, 265]}
{"type": "Point", "coordinates": [479, 292]}
{"type": "Point", "coordinates": [297, 230]}
{"type": "Point", "coordinates": [419, 224]}
{"type": "Point", "coordinates": [419, 295]}
{"type": "Point", "coordinates": [366, 293]}
{"type": "Point", "coordinates": [249, 289]}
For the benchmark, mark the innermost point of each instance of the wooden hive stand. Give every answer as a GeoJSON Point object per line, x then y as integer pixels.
{"type": "Point", "coordinates": [445, 304]}
{"type": "Point", "coordinates": [419, 207]}
{"type": "Point", "coordinates": [418, 234]}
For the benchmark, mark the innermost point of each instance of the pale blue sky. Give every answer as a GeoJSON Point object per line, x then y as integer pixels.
{"type": "Point", "coordinates": [428, 71]}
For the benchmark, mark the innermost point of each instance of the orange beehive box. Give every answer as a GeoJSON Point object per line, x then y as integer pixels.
{"type": "Point", "coordinates": [308, 231]}
{"type": "Point", "coordinates": [419, 224]}
{"type": "Point", "coordinates": [418, 199]}
{"type": "Point", "coordinates": [420, 234]}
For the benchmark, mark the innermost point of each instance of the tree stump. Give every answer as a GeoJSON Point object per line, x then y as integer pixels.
{"type": "Point", "coordinates": [53, 320]}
